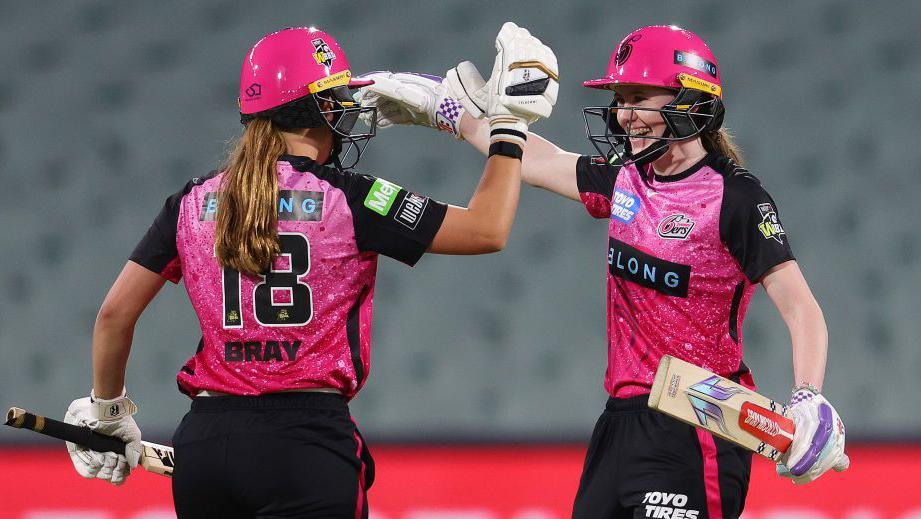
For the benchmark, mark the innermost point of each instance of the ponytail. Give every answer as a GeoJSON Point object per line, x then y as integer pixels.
{"type": "Point", "coordinates": [246, 236]}
{"type": "Point", "coordinates": [721, 142]}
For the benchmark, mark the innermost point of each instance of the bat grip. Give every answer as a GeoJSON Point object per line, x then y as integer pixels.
{"type": "Point", "coordinates": [84, 436]}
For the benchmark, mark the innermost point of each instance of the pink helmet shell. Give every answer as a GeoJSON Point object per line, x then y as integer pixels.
{"type": "Point", "coordinates": [289, 64]}
{"type": "Point", "coordinates": [664, 56]}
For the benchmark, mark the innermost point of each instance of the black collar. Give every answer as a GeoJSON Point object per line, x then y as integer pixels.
{"type": "Point", "coordinates": [708, 158]}
{"type": "Point", "coordinates": [302, 164]}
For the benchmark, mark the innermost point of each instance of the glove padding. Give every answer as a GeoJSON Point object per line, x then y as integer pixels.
{"type": "Point", "coordinates": [523, 86]}
{"type": "Point", "coordinates": [112, 418]}
{"type": "Point", "coordinates": [818, 443]}
{"type": "Point", "coordinates": [410, 98]}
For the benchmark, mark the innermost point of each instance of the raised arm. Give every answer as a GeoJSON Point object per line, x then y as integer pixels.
{"type": "Point", "coordinates": [457, 105]}
{"type": "Point", "coordinates": [509, 107]}
{"type": "Point", "coordinates": [545, 165]}
{"type": "Point", "coordinates": [484, 225]}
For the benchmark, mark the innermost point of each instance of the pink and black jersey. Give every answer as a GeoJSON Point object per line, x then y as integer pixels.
{"type": "Point", "coordinates": [306, 322]}
{"type": "Point", "coordinates": [684, 254]}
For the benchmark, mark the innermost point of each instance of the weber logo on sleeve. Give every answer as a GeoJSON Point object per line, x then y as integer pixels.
{"type": "Point", "coordinates": [411, 210]}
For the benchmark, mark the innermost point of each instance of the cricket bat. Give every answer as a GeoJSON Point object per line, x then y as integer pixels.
{"type": "Point", "coordinates": [719, 405]}
{"type": "Point", "coordinates": [154, 458]}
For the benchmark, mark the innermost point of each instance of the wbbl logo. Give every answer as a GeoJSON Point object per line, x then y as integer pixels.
{"type": "Point", "coordinates": [770, 225]}
{"type": "Point", "coordinates": [322, 53]}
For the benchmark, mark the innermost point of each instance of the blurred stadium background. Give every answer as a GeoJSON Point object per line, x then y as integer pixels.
{"type": "Point", "coordinates": [481, 365]}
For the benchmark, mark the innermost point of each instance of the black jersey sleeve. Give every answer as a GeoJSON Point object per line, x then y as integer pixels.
{"type": "Point", "coordinates": [391, 220]}
{"type": "Point", "coordinates": [595, 179]}
{"type": "Point", "coordinates": [750, 226]}
{"type": "Point", "coordinates": [157, 250]}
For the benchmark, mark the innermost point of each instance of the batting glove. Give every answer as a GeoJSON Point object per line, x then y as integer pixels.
{"type": "Point", "coordinates": [411, 98]}
{"type": "Point", "coordinates": [112, 418]}
{"type": "Point", "coordinates": [522, 89]}
{"type": "Point", "coordinates": [818, 442]}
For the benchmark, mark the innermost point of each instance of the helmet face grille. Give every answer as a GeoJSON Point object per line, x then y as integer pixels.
{"type": "Point", "coordinates": [342, 117]}
{"type": "Point", "coordinates": [689, 114]}
{"type": "Point", "coordinates": [335, 109]}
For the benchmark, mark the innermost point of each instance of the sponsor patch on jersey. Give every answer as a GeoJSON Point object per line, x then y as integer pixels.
{"type": "Point", "coordinates": [770, 226]}
{"type": "Point", "coordinates": [668, 505]}
{"type": "Point", "coordinates": [411, 209]}
{"type": "Point", "coordinates": [666, 277]}
{"type": "Point", "coordinates": [208, 208]}
{"type": "Point", "coordinates": [675, 227]}
{"type": "Point", "coordinates": [624, 206]}
{"type": "Point", "coordinates": [381, 196]}
{"type": "Point", "coordinates": [293, 205]}
{"type": "Point", "coordinates": [694, 61]}
{"type": "Point", "coordinates": [301, 206]}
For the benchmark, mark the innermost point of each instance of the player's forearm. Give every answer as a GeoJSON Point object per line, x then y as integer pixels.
{"type": "Point", "coordinates": [787, 288]}
{"type": "Point", "coordinates": [484, 225]}
{"type": "Point", "coordinates": [114, 329]}
{"type": "Point", "coordinates": [112, 336]}
{"type": "Point", "coordinates": [545, 165]}
{"type": "Point", "coordinates": [809, 337]}
{"type": "Point", "coordinates": [495, 200]}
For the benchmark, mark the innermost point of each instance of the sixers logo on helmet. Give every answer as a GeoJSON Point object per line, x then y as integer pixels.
{"type": "Point", "coordinates": [623, 53]}
{"type": "Point", "coordinates": [322, 53]}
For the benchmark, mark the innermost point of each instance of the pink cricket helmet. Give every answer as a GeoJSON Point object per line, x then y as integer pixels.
{"type": "Point", "coordinates": [664, 56]}
{"type": "Point", "coordinates": [289, 64]}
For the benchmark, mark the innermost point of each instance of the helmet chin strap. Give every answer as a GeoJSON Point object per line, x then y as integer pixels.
{"type": "Point", "coordinates": [652, 152]}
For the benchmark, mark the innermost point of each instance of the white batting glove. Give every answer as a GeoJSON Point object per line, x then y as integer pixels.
{"type": "Point", "coordinates": [411, 98]}
{"type": "Point", "coordinates": [522, 89]}
{"type": "Point", "coordinates": [112, 418]}
{"type": "Point", "coordinates": [818, 442]}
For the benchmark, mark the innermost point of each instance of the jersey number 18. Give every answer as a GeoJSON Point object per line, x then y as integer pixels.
{"type": "Point", "coordinates": [294, 307]}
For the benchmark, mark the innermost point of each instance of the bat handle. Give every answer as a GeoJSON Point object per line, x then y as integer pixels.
{"type": "Point", "coordinates": [22, 419]}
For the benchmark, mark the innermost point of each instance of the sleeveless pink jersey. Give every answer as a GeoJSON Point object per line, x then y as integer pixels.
{"type": "Point", "coordinates": [305, 323]}
{"type": "Point", "coordinates": [684, 253]}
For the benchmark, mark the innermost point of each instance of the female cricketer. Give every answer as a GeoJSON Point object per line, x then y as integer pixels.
{"type": "Point", "coordinates": [691, 235]}
{"type": "Point", "coordinates": [278, 252]}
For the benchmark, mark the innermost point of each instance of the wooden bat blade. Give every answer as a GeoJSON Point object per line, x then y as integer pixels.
{"type": "Point", "coordinates": [729, 410]}
{"type": "Point", "coordinates": [154, 458]}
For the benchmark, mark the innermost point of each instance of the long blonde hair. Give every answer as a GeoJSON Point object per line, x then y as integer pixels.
{"type": "Point", "coordinates": [246, 237]}
{"type": "Point", "coordinates": [721, 142]}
